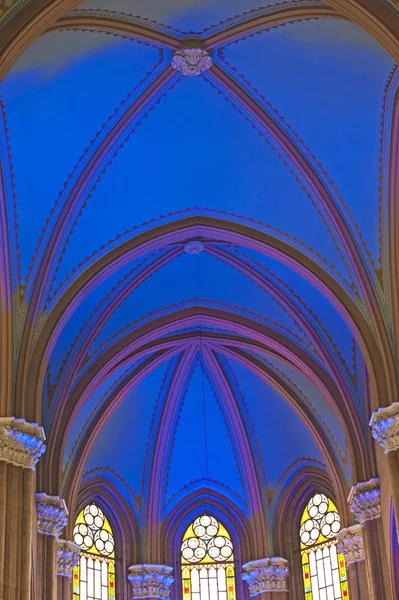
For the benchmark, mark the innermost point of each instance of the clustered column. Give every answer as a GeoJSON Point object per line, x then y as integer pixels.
{"type": "Point", "coordinates": [364, 503]}
{"type": "Point", "coordinates": [267, 578]}
{"type": "Point", "coordinates": [350, 544]}
{"type": "Point", "coordinates": [385, 429]}
{"type": "Point", "coordinates": [150, 581]}
{"type": "Point", "coordinates": [21, 445]}
{"type": "Point", "coordinates": [67, 559]}
{"type": "Point", "coordinates": [52, 517]}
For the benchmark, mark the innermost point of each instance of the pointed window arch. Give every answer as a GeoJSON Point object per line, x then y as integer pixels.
{"type": "Point", "coordinates": [94, 576]}
{"type": "Point", "coordinates": [324, 569]}
{"type": "Point", "coordinates": [207, 561]}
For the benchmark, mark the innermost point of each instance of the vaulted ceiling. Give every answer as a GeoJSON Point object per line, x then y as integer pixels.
{"type": "Point", "coordinates": [199, 265]}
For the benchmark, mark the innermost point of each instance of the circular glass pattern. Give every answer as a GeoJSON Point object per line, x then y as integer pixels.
{"type": "Point", "coordinates": [220, 548]}
{"type": "Point", "coordinates": [207, 540]}
{"type": "Point", "coordinates": [92, 532]}
{"type": "Point", "coordinates": [205, 527]}
{"type": "Point", "coordinates": [193, 550]}
{"type": "Point", "coordinates": [317, 506]}
{"type": "Point", "coordinates": [309, 532]}
{"type": "Point", "coordinates": [330, 524]}
{"type": "Point", "coordinates": [320, 519]}
{"type": "Point", "coordinates": [104, 542]}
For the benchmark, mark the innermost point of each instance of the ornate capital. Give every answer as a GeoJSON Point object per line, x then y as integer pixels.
{"type": "Point", "coordinates": [67, 558]}
{"type": "Point", "coordinates": [21, 443]}
{"type": "Point", "coordinates": [266, 575]}
{"type": "Point", "coordinates": [364, 500]}
{"type": "Point", "coordinates": [52, 514]}
{"type": "Point", "coordinates": [350, 544]}
{"type": "Point", "coordinates": [150, 581]}
{"type": "Point", "coordinates": [191, 61]}
{"type": "Point", "coordinates": [385, 427]}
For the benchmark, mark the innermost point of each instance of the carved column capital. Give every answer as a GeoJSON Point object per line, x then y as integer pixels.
{"type": "Point", "coordinates": [364, 500]}
{"type": "Point", "coordinates": [150, 581]}
{"type": "Point", "coordinates": [384, 425]}
{"type": "Point", "coordinates": [350, 543]}
{"type": "Point", "coordinates": [21, 443]}
{"type": "Point", "coordinates": [266, 575]}
{"type": "Point", "coordinates": [67, 558]}
{"type": "Point", "coordinates": [52, 514]}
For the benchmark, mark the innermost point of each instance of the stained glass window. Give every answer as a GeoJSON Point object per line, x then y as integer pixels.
{"type": "Point", "coordinates": [207, 561]}
{"type": "Point", "coordinates": [94, 576]}
{"type": "Point", "coordinates": [324, 570]}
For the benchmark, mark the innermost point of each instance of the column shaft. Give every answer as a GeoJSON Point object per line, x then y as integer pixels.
{"type": "Point", "coordinates": [51, 520]}
{"type": "Point", "coordinates": [67, 559]}
{"type": "Point", "coordinates": [16, 517]}
{"type": "Point", "coordinates": [384, 425]}
{"type": "Point", "coordinates": [3, 512]}
{"type": "Point", "coordinates": [26, 533]}
{"type": "Point", "coordinates": [376, 562]}
{"type": "Point", "coordinates": [21, 445]}
{"type": "Point", "coordinates": [364, 503]}
{"type": "Point", "coordinates": [64, 588]}
{"type": "Point", "coordinates": [46, 567]}
{"type": "Point", "coordinates": [393, 467]}
{"type": "Point", "coordinates": [357, 581]}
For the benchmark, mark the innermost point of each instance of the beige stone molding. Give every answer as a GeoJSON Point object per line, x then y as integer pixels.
{"type": "Point", "coordinates": [21, 443]}
{"type": "Point", "coordinates": [350, 543]}
{"type": "Point", "coordinates": [52, 514]}
{"type": "Point", "coordinates": [364, 500]}
{"type": "Point", "coordinates": [384, 425]}
{"type": "Point", "coordinates": [266, 575]}
{"type": "Point", "coordinates": [67, 558]}
{"type": "Point", "coordinates": [150, 581]}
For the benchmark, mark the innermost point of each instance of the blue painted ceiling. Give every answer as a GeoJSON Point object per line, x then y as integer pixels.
{"type": "Point", "coordinates": [196, 151]}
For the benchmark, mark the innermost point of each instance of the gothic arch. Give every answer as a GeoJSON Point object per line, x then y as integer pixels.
{"type": "Point", "coordinates": [122, 521]}
{"type": "Point", "coordinates": [237, 524]}
{"type": "Point", "coordinates": [289, 512]}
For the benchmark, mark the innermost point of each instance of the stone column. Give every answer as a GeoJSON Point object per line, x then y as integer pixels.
{"type": "Point", "coordinates": [385, 429]}
{"type": "Point", "coordinates": [364, 503]}
{"type": "Point", "coordinates": [350, 544]}
{"type": "Point", "coordinates": [267, 578]}
{"type": "Point", "coordinates": [21, 445]}
{"type": "Point", "coordinates": [150, 581]}
{"type": "Point", "coordinates": [67, 559]}
{"type": "Point", "coordinates": [52, 516]}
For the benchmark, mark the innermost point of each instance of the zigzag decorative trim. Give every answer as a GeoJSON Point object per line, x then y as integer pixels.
{"type": "Point", "coordinates": [219, 58]}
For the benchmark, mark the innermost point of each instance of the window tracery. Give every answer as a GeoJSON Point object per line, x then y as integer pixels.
{"type": "Point", "coordinates": [94, 576]}
{"type": "Point", "coordinates": [324, 569]}
{"type": "Point", "coordinates": [207, 561]}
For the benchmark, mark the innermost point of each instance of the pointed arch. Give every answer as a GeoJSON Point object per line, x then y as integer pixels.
{"type": "Point", "coordinates": [323, 567]}
{"type": "Point", "coordinates": [226, 512]}
{"type": "Point", "coordinates": [381, 371]}
{"type": "Point", "coordinates": [94, 577]}
{"type": "Point", "coordinates": [207, 560]}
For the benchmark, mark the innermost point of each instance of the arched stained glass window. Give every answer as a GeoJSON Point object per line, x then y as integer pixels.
{"type": "Point", "coordinates": [94, 576]}
{"type": "Point", "coordinates": [324, 570]}
{"type": "Point", "coordinates": [207, 561]}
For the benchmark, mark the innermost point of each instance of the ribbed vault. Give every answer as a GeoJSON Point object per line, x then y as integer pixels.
{"type": "Point", "coordinates": [196, 246]}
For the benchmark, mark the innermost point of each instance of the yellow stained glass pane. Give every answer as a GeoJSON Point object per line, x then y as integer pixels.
{"type": "Point", "coordinates": [93, 534]}
{"type": "Point", "coordinates": [111, 581]}
{"type": "Point", "coordinates": [319, 526]}
{"type": "Point", "coordinates": [231, 588]}
{"type": "Point", "coordinates": [75, 582]}
{"type": "Point", "coordinates": [207, 561]}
